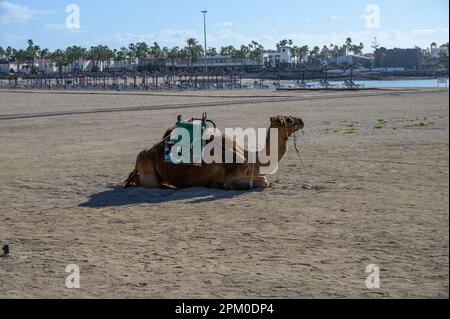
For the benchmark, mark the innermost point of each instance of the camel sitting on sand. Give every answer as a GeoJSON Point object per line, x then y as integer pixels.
{"type": "Point", "coordinates": [152, 171]}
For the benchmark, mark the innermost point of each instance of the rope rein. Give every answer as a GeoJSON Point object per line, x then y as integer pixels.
{"type": "Point", "coordinates": [253, 170]}
{"type": "Point", "coordinates": [302, 163]}
{"type": "Point", "coordinates": [297, 150]}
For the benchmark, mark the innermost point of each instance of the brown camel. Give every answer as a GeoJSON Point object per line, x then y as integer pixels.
{"type": "Point", "coordinates": [152, 171]}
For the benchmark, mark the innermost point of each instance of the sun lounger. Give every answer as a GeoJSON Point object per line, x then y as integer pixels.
{"type": "Point", "coordinates": [350, 84]}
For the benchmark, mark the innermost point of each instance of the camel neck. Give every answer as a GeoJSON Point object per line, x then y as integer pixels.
{"type": "Point", "coordinates": [282, 142]}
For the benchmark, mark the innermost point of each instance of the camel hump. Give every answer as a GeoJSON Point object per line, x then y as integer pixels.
{"type": "Point", "coordinates": [168, 132]}
{"type": "Point", "coordinates": [145, 156]}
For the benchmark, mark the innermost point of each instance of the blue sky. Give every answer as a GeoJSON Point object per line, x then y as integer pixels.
{"type": "Point", "coordinates": [116, 23]}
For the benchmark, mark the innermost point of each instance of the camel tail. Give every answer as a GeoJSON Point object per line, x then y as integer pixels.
{"type": "Point", "coordinates": [131, 179]}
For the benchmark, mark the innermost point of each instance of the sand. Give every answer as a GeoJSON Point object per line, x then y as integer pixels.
{"type": "Point", "coordinates": [383, 199]}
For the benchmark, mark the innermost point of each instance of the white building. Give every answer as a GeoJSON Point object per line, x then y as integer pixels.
{"type": "Point", "coordinates": [46, 66]}
{"type": "Point", "coordinates": [78, 66]}
{"type": "Point", "coordinates": [436, 51]}
{"type": "Point", "coordinates": [218, 61]}
{"type": "Point", "coordinates": [273, 59]}
{"type": "Point", "coordinates": [5, 68]}
{"type": "Point", "coordinates": [124, 65]}
{"type": "Point", "coordinates": [350, 59]}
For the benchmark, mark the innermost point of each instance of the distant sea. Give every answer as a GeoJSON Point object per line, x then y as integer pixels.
{"type": "Point", "coordinates": [431, 83]}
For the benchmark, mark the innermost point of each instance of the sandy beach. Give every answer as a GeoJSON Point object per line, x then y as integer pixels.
{"type": "Point", "coordinates": [379, 157]}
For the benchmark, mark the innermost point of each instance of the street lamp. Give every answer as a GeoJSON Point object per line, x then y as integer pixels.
{"type": "Point", "coordinates": [204, 27]}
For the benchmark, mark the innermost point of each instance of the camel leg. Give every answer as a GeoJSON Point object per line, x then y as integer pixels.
{"type": "Point", "coordinates": [234, 178]}
{"type": "Point", "coordinates": [147, 176]}
{"type": "Point", "coordinates": [238, 184]}
{"type": "Point", "coordinates": [149, 181]}
{"type": "Point", "coordinates": [241, 183]}
{"type": "Point", "coordinates": [245, 184]}
{"type": "Point", "coordinates": [262, 182]}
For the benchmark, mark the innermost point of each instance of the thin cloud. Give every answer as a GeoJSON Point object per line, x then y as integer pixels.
{"type": "Point", "coordinates": [336, 17]}
{"type": "Point", "coordinates": [55, 26]}
{"type": "Point", "coordinates": [224, 37]}
{"type": "Point", "coordinates": [430, 31]}
{"type": "Point", "coordinates": [171, 38]}
{"type": "Point", "coordinates": [62, 27]}
{"type": "Point", "coordinates": [13, 39]}
{"type": "Point", "coordinates": [388, 38]}
{"type": "Point", "coordinates": [167, 37]}
{"type": "Point", "coordinates": [15, 13]}
{"type": "Point", "coordinates": [225, 24]}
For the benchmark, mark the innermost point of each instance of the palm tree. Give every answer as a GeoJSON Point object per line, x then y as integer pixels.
{"type": "Point", "coordinates": [32, 53]}
{"type": "Point", "coordinates": [443, 58]}
{"type": "Point", "coordinates": [108, 55]}
{"type": "Point", "coordinates": [76, 54]}
{"type": "Point", "coordinates": [121, 55]}
{"type": "Point", "coordinates": [374, 44]}
{"type": "Point", "coordinates": [9, 53]}
{"type": "Point", "coordinates": [315, 52]}
{"type": "Point", "coordinates": [211, 52]}
{"type": "Point", "coordinates": [2, 55]}
{"type": "Point", "coordinates": [294, 50]}
{"type": "Point", "coordinates": [43, 55]}
{"type": "Point", "coordinates": [60, 58]}
{"type": "Point", "coordinates": [242, 53]}
{"type": "Point", "coordinates": [324, 53]}
{"type": "Point", "coordinates": [348, 45]}
{"type": "Point", "coordinates": [228, 50]}
{"type": "Point", "coordinates": [156, 52]}
{"type": "Point", "coordinates": [193, 49]}
{"type": "Point", "coordinates": [140, 51]}
{"type": "Point", "coordinates": [173, 54]}
{"type": "Point", "coordinates": [183, 55]}
{"type": "Point", "coordinates": [256, 51]}
{"type": "Point", "coordinates": [95, 55]}
{"type": "Point", "coordinates": [165, 52]}
{"type": "Point", "coordinates": [100, 54]}
{"type": "Point", "coordinates": [302, 52]}
{"type": "Point", "coordinates": [284, 43]}
{"type": "Point", "coordinates": [20, 56]}
{"type": "Point", "coordinates": [131, 51]}
{"type": "Point", "coordinates": [337, 50]}
{"type": "Point", "coordinates": [357, 49]}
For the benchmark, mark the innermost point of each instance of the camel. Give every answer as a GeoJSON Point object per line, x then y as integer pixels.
{"type": "Point", "coordinates": [152, 171]}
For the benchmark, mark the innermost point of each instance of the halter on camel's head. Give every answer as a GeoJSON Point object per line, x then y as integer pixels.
{"type": "Point", "coordinates": [289, 123]}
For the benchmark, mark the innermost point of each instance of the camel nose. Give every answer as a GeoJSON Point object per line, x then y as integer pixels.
{"type": "Point", "coordinates": [300, 123]}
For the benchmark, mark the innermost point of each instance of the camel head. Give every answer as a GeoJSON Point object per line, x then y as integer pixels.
{"type": "Point", "coordinates": [289, 124]}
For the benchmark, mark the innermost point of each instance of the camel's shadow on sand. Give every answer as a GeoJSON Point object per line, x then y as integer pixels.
{"type": "Point", "coordinates": [119, 196]}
